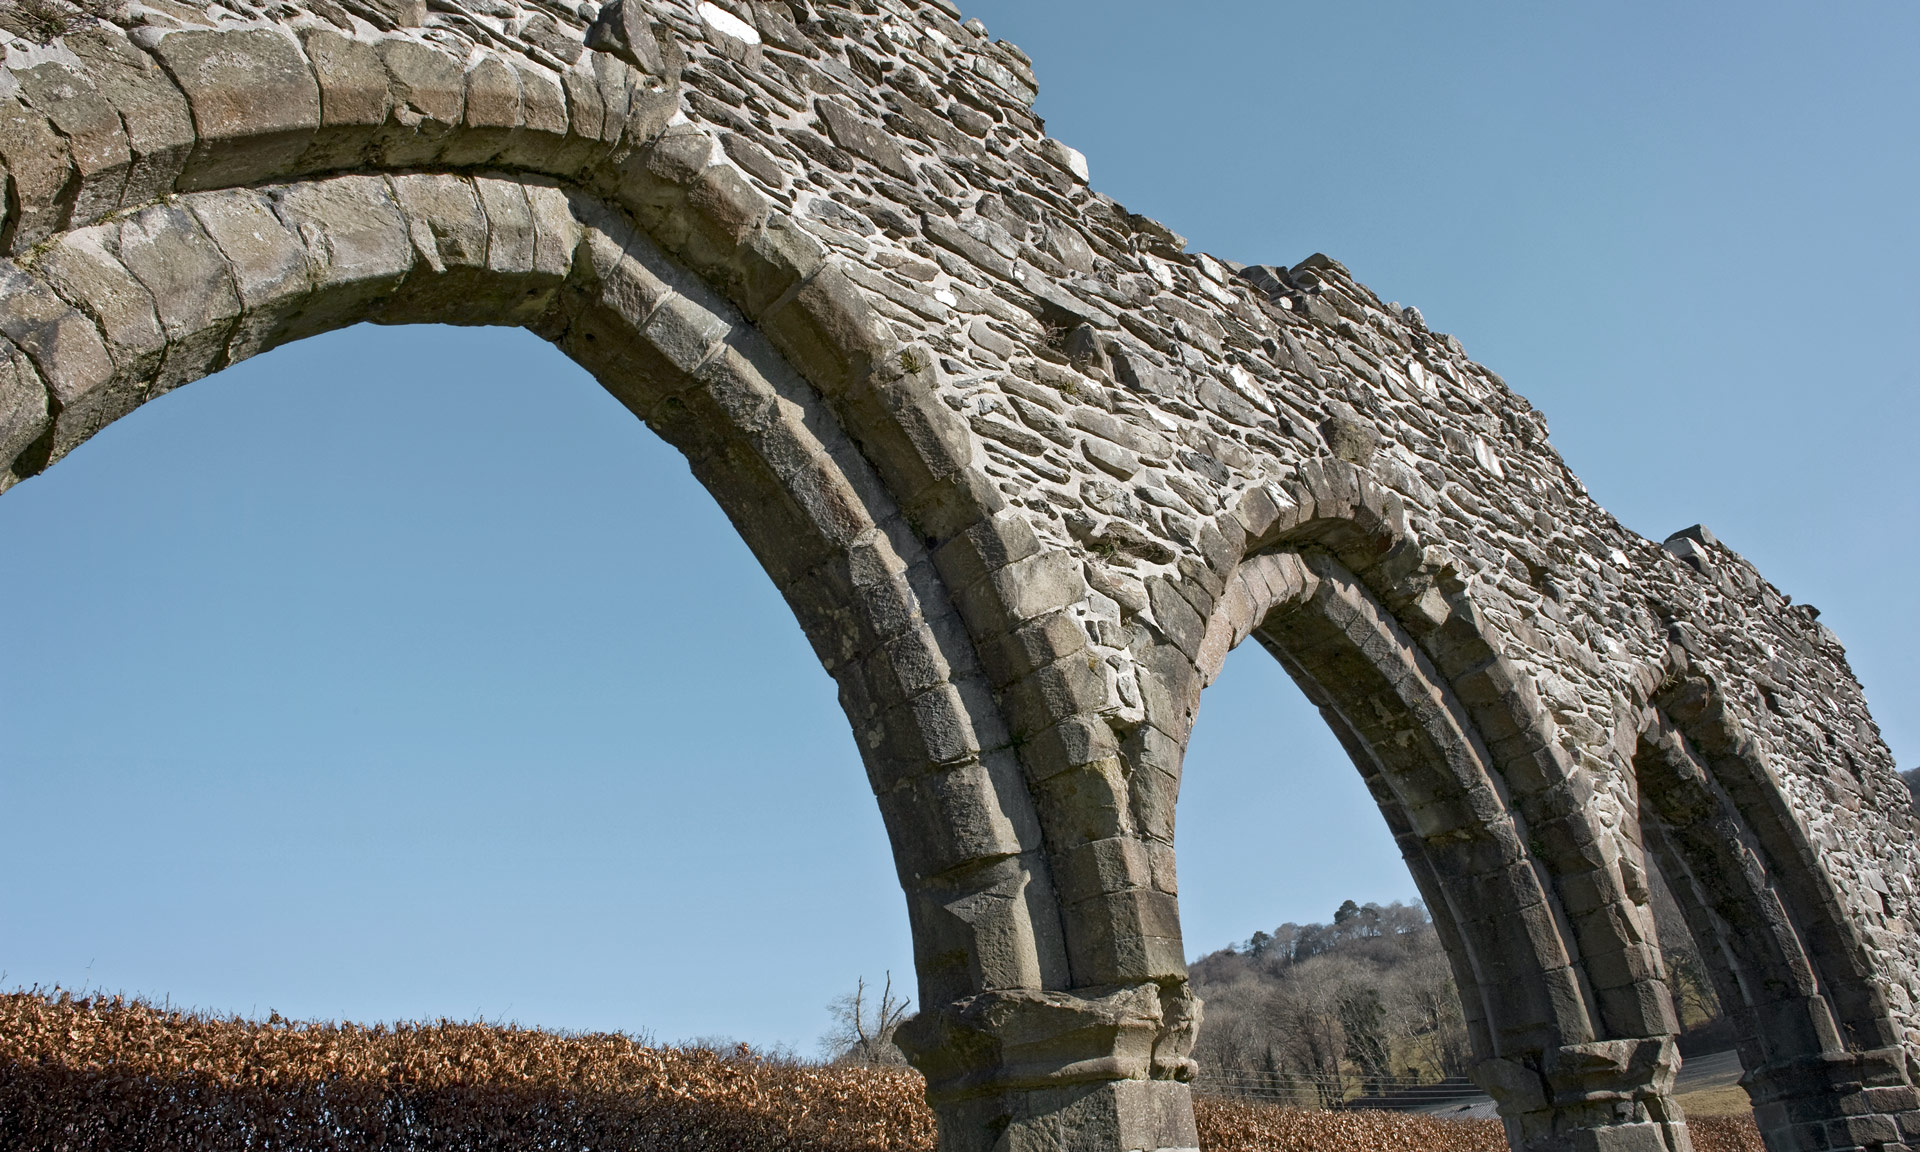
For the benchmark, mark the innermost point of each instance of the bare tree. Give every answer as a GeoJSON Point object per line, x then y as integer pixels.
{"type": "Point", "coordinates": [1321, 1010]}
{"type": "Point", "coordinates": [1429, 1024]}
{"type": "Point", "coordinates": [862, 1032]}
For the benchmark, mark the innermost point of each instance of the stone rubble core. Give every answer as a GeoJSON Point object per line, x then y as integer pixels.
{"type": "Point", "coordinates": [1026, 471]}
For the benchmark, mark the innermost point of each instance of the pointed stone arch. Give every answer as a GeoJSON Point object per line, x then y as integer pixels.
{"type": "Point", "coordinates": [233, 272]}
{"type": "Point", "coordinates": [1023, 468]}
{"type": "Point", "coordinates": [1823, 1066]}
{"type": "Point", "coordinates": [1566, 1036]}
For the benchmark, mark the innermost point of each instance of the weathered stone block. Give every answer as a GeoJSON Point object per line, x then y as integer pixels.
{"type": "Point", "coordinates": [1644, 1008]}
{"type": "Point", "coordinates": [684, 332]}
{"type": "Point", "coordinates": [82, 268]}
{"type": "Point", "coordinates": [1123, 937]}
{"type": "Point", "coordinates": [254, 100]}
{"type": "Point", "coordinates": [586, 108]}
{"type": "Point", "coordinates": [266, 259]}
{"type": "Point", "coordinates": [90, 125]}
{"type": "Point", "coordinates": [952, 818]}
{"type": "Point", "coordinates": [24, 415]}
{"type": "Point", "coordinates": [556, 229]}
{"type": "Point", "coordinates": [828, 331]}
{"type": "Point", "coordinates": [1076, 685]}
{"type": "Point", "coordinates": [491, 113]}
{"type": "Point", "coordinates": [152, 112]}
{"type": "Point", "coordinates": [1031, 646]}
{"type": "Point", "coordinates": [723, 210]}
{"type": "Point", "coordinates": [358, 246]}
{"type": "Point", "coordinates": [1085, 803]}
{"type": "Point", "coordinates": [1622, 1138]}
{"type": "Point", "coordinates": [541, 139]}
{"type": "Point", "coordinates": [1178, 620]}
{"type": "Point", "coordinates": [771, 263]}
{"type": "Point", "coordinates": [932, 729]}
{"type": "Point", "coordinates": [1028, 588]}
{"type": "Point", "coordinates": [444, 220]}
{"type": "Point", "coordinates": [68, 355]}
{"type": "Point", "coordinates": [1115, 864]}
{"type": "Point", "coordinates": [862, 138]}
{"type": "Point", "coordinates": [1152, 1115]}
{"type": "Point", "coordinates": [429, 92]}
{"type": "Point", "coordinates": [37, 163]}
{"type": "Point", "coordinates": [191, 285]}
{"type": "Point", "coordinates": [354, 89]}
{"type": "Point", "coordinates": [624, 30]}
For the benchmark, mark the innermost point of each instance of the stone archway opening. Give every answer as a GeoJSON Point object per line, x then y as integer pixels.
{"type": "Point", "coordinates": [1273, 824]}
{"type": "Point", "coordinates": [1307, 939]}
{"type": "Point", "coordinates": [408, 762]}
{"type": "Point", "coordinates": [1324, 650]}
{"type": "Point", "coordinates": [1820, 1065]}
{"type": "Point", "coordinates": [1555, 1047]}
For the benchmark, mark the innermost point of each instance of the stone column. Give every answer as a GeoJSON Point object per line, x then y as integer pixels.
{"type": "Point", "coordinates": [1042, 1071]}
{"type": "Point", "coordinates": [1602, 1096]}
{"type": "Point", "coordinates": [1841, 1102]}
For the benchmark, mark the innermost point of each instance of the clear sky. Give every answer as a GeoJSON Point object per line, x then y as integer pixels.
{"type": "Point", "coordinates": [400, 673]}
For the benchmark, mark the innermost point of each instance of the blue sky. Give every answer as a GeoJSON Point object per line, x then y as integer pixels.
{"type": "Point", "coordinates": [400, 673]}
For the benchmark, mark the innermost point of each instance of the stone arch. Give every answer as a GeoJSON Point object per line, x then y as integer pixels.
{"type": "Point", "coordinates": [514, 191]}
{"type": "Point", "coordinates": [1824, 1065]}
{"type": "Point", "coordinates": [125, 310]}
{"type": "Point", "coordinates": [1006, 448]}
{"type": "Point", "coordinates": [1544, 1013]}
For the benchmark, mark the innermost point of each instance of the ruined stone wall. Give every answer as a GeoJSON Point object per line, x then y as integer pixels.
{"type": "Point", "coordinates": [1026, 470]}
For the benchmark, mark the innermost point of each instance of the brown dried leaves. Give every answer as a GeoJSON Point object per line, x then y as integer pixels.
{"type": "Point", "coordinates": [81, 1074]}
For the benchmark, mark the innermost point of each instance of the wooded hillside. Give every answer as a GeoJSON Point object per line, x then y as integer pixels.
{"type": "Point", "coordinates": [1339, 1006]}
{"type": "Point", "coordinates": [1338, 1010]}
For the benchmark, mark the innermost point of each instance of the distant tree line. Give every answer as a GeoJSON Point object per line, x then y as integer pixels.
{"type": "Point", "coordinates": [1338, 1008]}
{"type": "Point", "coordinates": [1912, 777]}
{"type": "Point", "coordinates": [1367, 1004]}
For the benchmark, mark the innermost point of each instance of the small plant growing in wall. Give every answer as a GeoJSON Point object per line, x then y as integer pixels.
{"type": "Point", "coordinates": [43, 21]}
{"type": "Point", "coordinates": [913, 362]}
